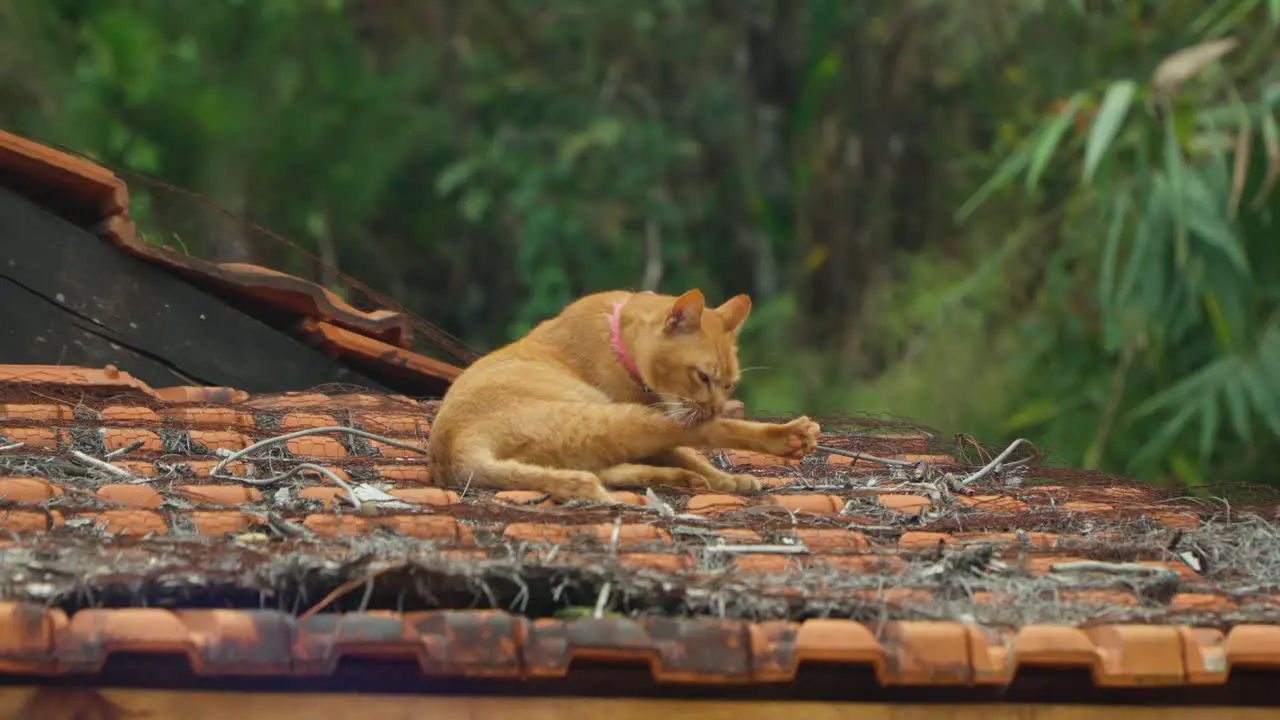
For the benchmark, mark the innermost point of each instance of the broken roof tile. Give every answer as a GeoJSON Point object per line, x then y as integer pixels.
{"type": "Point", "coordinates": [188, 394]}
{"type": "Point", "coordinates": [76, 381]}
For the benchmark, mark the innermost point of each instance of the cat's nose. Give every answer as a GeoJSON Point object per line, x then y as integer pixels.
{"type": "Point", "coordinates": [733, 409]}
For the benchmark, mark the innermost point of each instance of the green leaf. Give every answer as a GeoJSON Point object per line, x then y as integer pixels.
{"type": "Point", "coordinates": [1264, 400]}
{"type": "Point", "coordinates": [1012, 165]}
{"type": "Point", "coordinates": [1210, 420]}
{"type": "Point", "coordinates": [474, 203]}
{"type": "Point", "coordinates": [1237, 403]}
{"type": "Point", "coordinates": [456, 174]}
{"type": "Point", "coordinates": [1190, 389]}
{"type": "Point", "coordinates": [1049, 139]}
{"type": "Point", "coordinates": [1106, 124]}
{"type": "Point", "coordinates": [1186, 470]}
{"type": "Point", "coordinates": [1271, 141]}
{"type": "Point", "coordinates": [579, 612]}
{"type": "Point", "coordinates": [1238, 11]}
{"type": "Point", "coordinates": [1165, 436]}
{"type": "Point", "coordinates": [1033, 413]}
{"type": "Point", "coordinates": [1210, 15]}
{"type": "Point", "coordinates": [1113, 330]}
{"type": "Point", "coordinates": [1202, 210]}
{"type": "Point", "coordinates": [602, 132]}
{"type": "Point", "coordinates": [1175, 170]}
{"type": "Point", "coordinates": [1150, 231]}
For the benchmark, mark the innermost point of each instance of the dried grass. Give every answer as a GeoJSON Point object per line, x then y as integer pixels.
{"type": "Point", "coordinates": [1230, 551]}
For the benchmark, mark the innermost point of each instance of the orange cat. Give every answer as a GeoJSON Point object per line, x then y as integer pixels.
{"type": "Point", "coordinates": [611, 392]}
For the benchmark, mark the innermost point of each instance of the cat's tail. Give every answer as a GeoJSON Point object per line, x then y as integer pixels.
{"type": "Point", "coordinates": [479, 467]}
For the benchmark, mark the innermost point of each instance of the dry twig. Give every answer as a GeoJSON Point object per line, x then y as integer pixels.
{"type": "Point", "coordinates": [97, 464]}
{"type": "Point", "coordinates": [863, 456]}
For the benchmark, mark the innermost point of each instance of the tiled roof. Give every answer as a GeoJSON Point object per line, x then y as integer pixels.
{"type": "Point", "coordinates": [390, 341]}
{"type": "Point", "coordinates": [124, 535]}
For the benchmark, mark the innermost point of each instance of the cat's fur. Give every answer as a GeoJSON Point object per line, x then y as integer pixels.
{"type": "Point", "coordinates": [558, 411]}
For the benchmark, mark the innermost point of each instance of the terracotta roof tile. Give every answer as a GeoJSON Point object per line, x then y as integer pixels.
{"type": "Point", "coordinates": [848, 564]}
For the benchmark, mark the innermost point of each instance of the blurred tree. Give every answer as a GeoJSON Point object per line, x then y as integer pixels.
{"type": "Point", "coordinates": [485, 162]}
{"type": "Point", "coordinates": [1160, 309]}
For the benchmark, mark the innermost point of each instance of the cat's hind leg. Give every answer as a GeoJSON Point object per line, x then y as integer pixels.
{"type": "Point", "coordinates": [638, 475]}
{"type": "Point", "coordinates": [482, 469]}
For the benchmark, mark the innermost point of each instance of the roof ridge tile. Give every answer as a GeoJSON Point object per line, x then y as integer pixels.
{"type": "Point", "coordinates": [498, 644]}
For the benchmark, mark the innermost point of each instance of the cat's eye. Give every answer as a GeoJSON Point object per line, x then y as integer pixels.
{"type": "Point", "coordinates": [703, 377]}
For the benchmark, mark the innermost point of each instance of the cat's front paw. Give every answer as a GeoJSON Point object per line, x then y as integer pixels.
{"type": "Point", "coordinates": [796, 438]}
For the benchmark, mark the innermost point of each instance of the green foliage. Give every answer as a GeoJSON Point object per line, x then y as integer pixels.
{"type": "Point", "coordinates": [920, 234]}
{"type": "Point", "coordinates": [1183, 310]}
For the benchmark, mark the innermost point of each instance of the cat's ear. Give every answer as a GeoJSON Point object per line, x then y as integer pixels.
{"type": "Point", "coordinates": [685, 314]}
{"type": "Point", "coordinates": [734, 311]}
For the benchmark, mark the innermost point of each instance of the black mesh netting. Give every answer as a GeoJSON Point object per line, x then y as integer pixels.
{"type": "Point", "coordinates": [915, 536]}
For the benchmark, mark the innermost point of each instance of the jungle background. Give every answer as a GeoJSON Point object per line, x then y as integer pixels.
{"type": "Point", "coordinates": [1040, 218]}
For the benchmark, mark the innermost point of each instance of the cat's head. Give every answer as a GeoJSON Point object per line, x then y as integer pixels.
{"type": "Point", "coordinates": [692, 355]}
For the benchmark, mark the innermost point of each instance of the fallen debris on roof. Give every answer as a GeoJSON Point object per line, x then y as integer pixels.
{"type": "Point", "coordinates": [319, 504]}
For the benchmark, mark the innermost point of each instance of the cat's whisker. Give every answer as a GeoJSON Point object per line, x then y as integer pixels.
{"type": "Point", "coordinates": [681, 409]}
{"type": "Point", "coordinates": [677, 412]}
{"type": "Point", "coordinates": [746, 370]}
{"type": "Point", "coordinates": [686, 417]}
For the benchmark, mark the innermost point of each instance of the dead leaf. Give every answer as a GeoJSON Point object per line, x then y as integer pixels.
{"type": "Point", "coordinates": [1176, 69]}
{"type": "Point", "coordinates": [1243, 138]}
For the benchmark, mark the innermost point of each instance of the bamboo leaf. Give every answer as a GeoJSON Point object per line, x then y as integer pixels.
{"type": "Point", "coordinates": [1202, 215]}
{"type": "Point", "coordinates": [1113, 331]}
{"type": "Point", "coordinates": [1180, 66]}
{"type": "Point", "coordinates": [1237, 12]}
{"type": "Point", "coordinates": [1186, 470]}
{"type": "Point", "coordinates": [1244, 142]}
{"type": "Point", "coordinates": [1211, 15]}
{"type": "Point", "coordinates": [1237, 402]}
{"type": "Point", "coordinates": [1150, 230]}
{"type": "Point", "coordinates": [1188, 389]}
{"type": "Point", "coordinates": [1106, 124]}
{"type": "Point", "coordinates": [1271, 140]}
{"type": "Point", "coordinates": [1165, 436]}
{"type": "Point", "coordinates": [455, 175]}
{"type": "Point", "coordinates": [1050, 138]}
{"type": "Point", "coordinates": [1012, 165]}
{"type": "Point", "coordinates": [1033, 413]}
{"type": "Point", "coordinates": [1175, 171]}
{"type": "Point", "coordinates": [1264, 400]}
{"type": "Point", "coordinates": [1210, 421]}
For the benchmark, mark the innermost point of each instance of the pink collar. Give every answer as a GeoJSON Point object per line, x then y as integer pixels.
{"type": "Point", "coordinates": [615, 336]}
